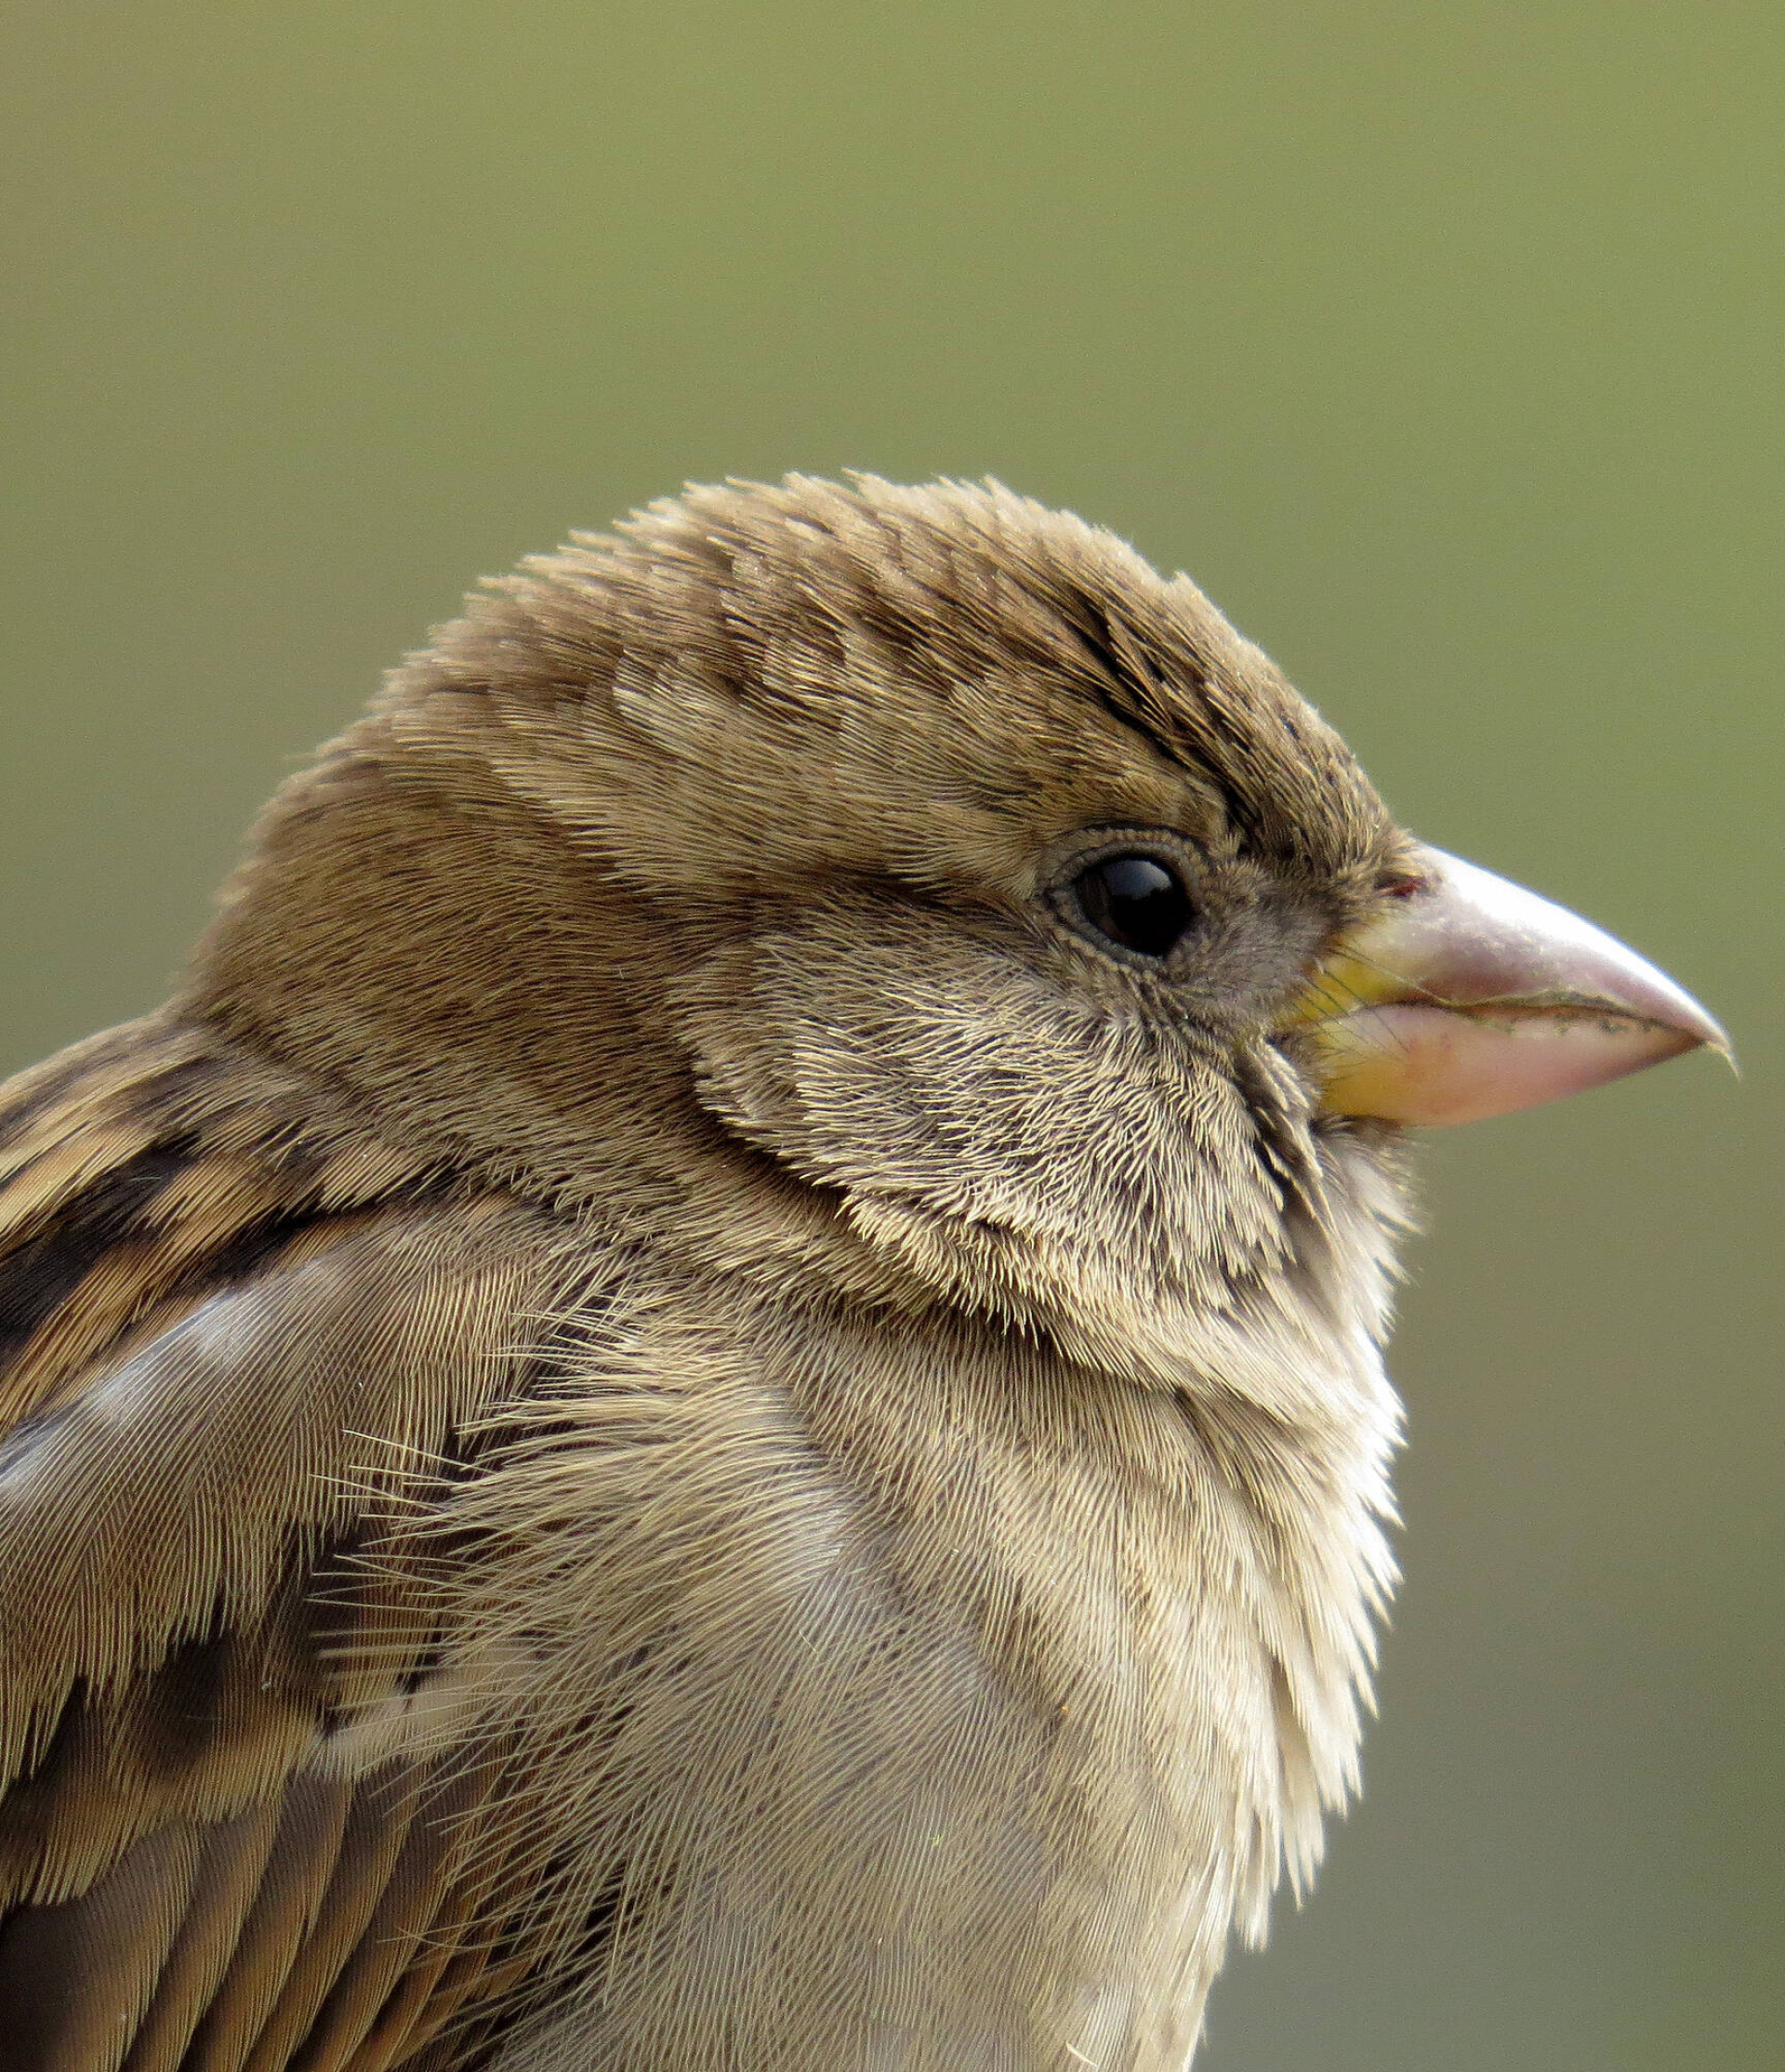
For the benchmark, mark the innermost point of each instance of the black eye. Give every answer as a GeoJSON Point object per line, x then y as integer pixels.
{"type": "Point", "coordinates": [1135, 901]}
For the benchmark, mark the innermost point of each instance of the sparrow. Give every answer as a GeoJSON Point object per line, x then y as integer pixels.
{"type": "Point", "coordinates": [711, 1398]}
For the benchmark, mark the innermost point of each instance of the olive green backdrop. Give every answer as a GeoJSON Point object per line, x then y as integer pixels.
{"type": "Point", "coordinates": [1441, 342]}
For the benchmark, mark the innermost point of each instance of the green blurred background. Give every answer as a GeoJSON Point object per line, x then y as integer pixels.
{"type": "Point", "coordinates": [1441, 343]}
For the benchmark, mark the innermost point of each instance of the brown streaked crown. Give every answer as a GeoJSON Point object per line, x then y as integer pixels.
{"type": "Point", "coordinates": [920, 682]}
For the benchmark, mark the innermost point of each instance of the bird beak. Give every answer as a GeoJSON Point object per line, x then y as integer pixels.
{"type": "Point", "coordinates": [1472, 998]}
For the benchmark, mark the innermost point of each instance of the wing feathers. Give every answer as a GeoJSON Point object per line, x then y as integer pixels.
{"type": "Point", "coordinates": [82, 1973]}
{"type": "Point", "coordinates": [299, 1869]}
{"type": "Point", "coordinates": [372, 1839]}
{"type": "Point", "coordinates": [231, 1862]}
{"type": "Point", "coordinates": [241, 1339]}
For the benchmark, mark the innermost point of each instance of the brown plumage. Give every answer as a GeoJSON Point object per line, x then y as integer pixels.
{"type": "Point", "coordinates": [668, 1418]}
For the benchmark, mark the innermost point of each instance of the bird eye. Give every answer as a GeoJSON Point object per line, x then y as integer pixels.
{"type": "Point", "coordinates": [1136, 901]}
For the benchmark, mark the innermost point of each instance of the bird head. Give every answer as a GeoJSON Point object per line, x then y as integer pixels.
{"type": "Point", "coordinates": [911, 887]}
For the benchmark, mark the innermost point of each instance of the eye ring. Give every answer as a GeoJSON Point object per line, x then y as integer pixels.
{"type": "Point", "coordinates": [1132, 900]}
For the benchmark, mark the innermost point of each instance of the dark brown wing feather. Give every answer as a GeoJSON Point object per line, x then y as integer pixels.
{"type": "Point", "coordinates": [236, 1329]}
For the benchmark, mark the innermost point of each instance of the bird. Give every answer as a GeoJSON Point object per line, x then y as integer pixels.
{"type": "Point", "coordinates": [711, 1398]}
